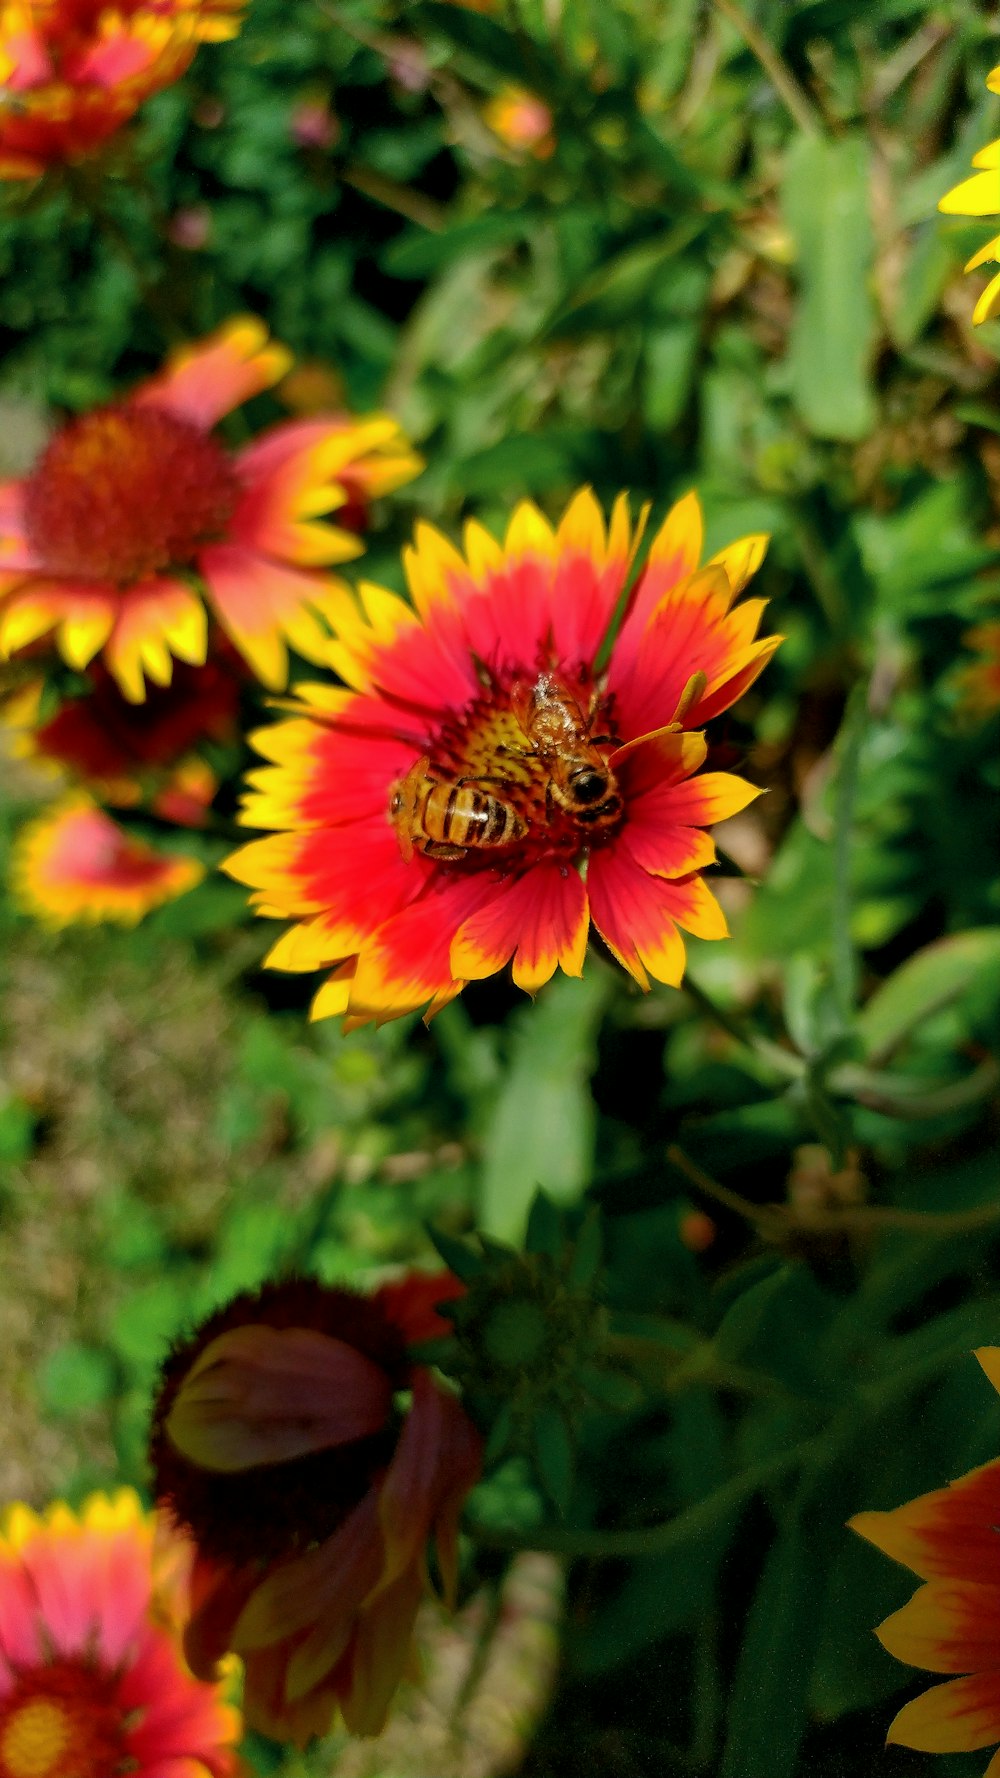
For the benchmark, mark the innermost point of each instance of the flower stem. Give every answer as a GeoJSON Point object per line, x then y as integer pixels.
{"type": "Point", "coordinates": [777, 71]}
{"type": "Point", "coordinates": [654, 1540]}
{"type": "Point", "coordinates": [843, 961]}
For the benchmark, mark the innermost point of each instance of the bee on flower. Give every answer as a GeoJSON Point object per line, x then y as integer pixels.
{"type": "Point", "coordinates": [93, 1681]}
{"type": "Point", "coordinates": [486, 786]}
{"type": "Point", "coordinates": [136, 525]}
{"type": "Point", "coordinates": [979, 195]}
{"type": "Point", "coordinates": [313, 1497]}
{"type": "Point", "coordinates": [72, 72]}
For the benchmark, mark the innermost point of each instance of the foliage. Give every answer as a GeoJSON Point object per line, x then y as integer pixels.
{"type": "Point", "coordinates": [713, 281]}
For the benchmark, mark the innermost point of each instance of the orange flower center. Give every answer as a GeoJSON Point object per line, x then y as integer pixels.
{"type": "Point", "coordinates": [125, 493]}
{"type": "Point", "coordinates": [61, 1722]}
{"type": "Point", "coordinates": [523, 773]}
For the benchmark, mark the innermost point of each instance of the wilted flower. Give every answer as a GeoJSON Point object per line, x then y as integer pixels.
{"type": "Point", "coordinates": [979, 681]}
{"type": "Point", "coordinates": [100, 544]}
{"type": "Point", "coordinates": [129, 753]}
{"type": "Point", "coordinates": [75, 863]}
{"type": "Point", "coordinates": [486, 787]}
{"type": "Point", "coordinates": [980, 196]}
{"type": "Point", "coordinates": [952, 1623]}
{"type": "Point", "coordinates": [73, 72]}
{"type": "Point", "coordinates": [92, 1680]}
{"type": "Point", "coordinates": [522, 121]}
{"type": "Point", "coordinates": [312, 1495]}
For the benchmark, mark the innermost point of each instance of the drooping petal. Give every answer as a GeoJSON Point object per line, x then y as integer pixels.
{"type": "Point", "coordinates": [264, 1395]}
{"type": "Point", "coordinates": [539, 919]}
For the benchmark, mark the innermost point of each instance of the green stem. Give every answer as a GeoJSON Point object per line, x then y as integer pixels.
{"type": "Point", "coordinates": [654, 1540]}
{"type": "Point", "coordinates": [843, 962]}
{"type": "Point", "coordinates": [777, 71]}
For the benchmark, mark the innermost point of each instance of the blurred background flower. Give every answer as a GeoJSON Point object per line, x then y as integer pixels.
{"type": "Point", "coordinates": [72, 72]}
{"type": "Point", "coordinates": [93, 1679]}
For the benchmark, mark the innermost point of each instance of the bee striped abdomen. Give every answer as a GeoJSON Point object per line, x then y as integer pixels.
{"type": "Point", "coordinates": [446, 817]}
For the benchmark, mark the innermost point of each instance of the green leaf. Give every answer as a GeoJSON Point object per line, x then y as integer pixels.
{"type": "Point", "coordinates": [825, 199]}
{"type": "Point", "coordinates": [458, 1256]}
{"type": "Point", "coordinates": [17, 1131]}
{"type": "Point", "coordinates": [545, 1232]}
{"type": "Point", "coordinates": [541, 1129]}
{"type": "Point", "coordinates": [767, 1707]}
{"type": "Point", "coordinates": [588, 1251]}
{"type": "Point", "coordinates": [926, 983]}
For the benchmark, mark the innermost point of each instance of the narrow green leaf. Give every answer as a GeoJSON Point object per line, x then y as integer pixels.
{"type": "Point", "coordinates": [457, 1255]}
{"type": "Point", "coordinates": [545, 1232]}
{"type": "Point", "coordinates": [926, 983]}
{"type": "Point", "coordinates": [825, 199]}
{"type": "Point", "coordinates": [554, 1456]}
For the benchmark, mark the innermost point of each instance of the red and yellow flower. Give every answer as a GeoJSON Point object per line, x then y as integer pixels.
{"type": "Point", "coordinates": [952, 1623]}
{"type": "Point", "coordinates": [126, 753]}
{"type": "Point", "coordinates": [73, 72]}
{"type": "Point", "coordinates": [75, 863]}
{"type": "Point", "coordinates": [433, 826]}
{"type": "Point", "coordinates": [92, 1678]}
{"type": "Point", "coordinates": [280, 1445]}
{"type": "Point", "coordinates": [136, 523]}
{"type": "Point", "coordinates": [979, 195]}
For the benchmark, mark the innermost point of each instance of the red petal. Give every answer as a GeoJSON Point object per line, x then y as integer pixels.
{"type": "Point", "coordinates": [957, 1717]}
{"type": "Point", "coordinates": [539, 919]}
{"type": "Point", "coordinates": [949, 1626]}
{"type": "Point", "coordinates": [951, 1532]}
{"type": "Point", "coordinates": [406, 963]}
{"type": "Point", "coordinates": [635, 914]}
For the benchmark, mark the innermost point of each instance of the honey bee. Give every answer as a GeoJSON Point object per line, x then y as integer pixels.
{"type": "Point", "coordinates": [445, 817]}
{"type": "Point", "coordinates": [580, 780]}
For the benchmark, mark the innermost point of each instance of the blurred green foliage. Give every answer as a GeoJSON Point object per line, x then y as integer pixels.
{"type": "Point", "coordinates": [716, 281]}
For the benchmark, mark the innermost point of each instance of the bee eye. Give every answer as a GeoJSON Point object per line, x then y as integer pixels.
{"type": "Point", "coordinates": [396, 801]}
{"type": "Point", "coordinates": [587, 786]}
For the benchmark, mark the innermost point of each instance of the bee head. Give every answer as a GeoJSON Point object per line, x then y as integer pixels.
{"type": "Point", "coordinates": [588, 786]}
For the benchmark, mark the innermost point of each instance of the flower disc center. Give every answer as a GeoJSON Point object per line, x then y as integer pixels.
{"type": "Point", "coordinates": [127, 492]}
{"type": "Point", "coordinates": [61, 1722]}
{"type": "Point", "coordinates": [522, 773]}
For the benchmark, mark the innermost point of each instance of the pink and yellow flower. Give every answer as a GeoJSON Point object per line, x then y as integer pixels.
{"type": "Point", "coordinates": [92, 1679]}
{"type": "Point", "coordinates": [73, 72]}
{"type": "Point", "coordinates": [136, 522]}
{"type": "Point", "coordinates": [952, 1623]}
{"type": "Point", "coordinates": [980, 196]}
{"type": "Point", "coordinates": [74, 863]}
{"type": "Point", "coordinates": [522, 121]}
{"type": "Point", "coordinates": [279, 1444]}
{"type": "Point", "coordinates": [484, 789]}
